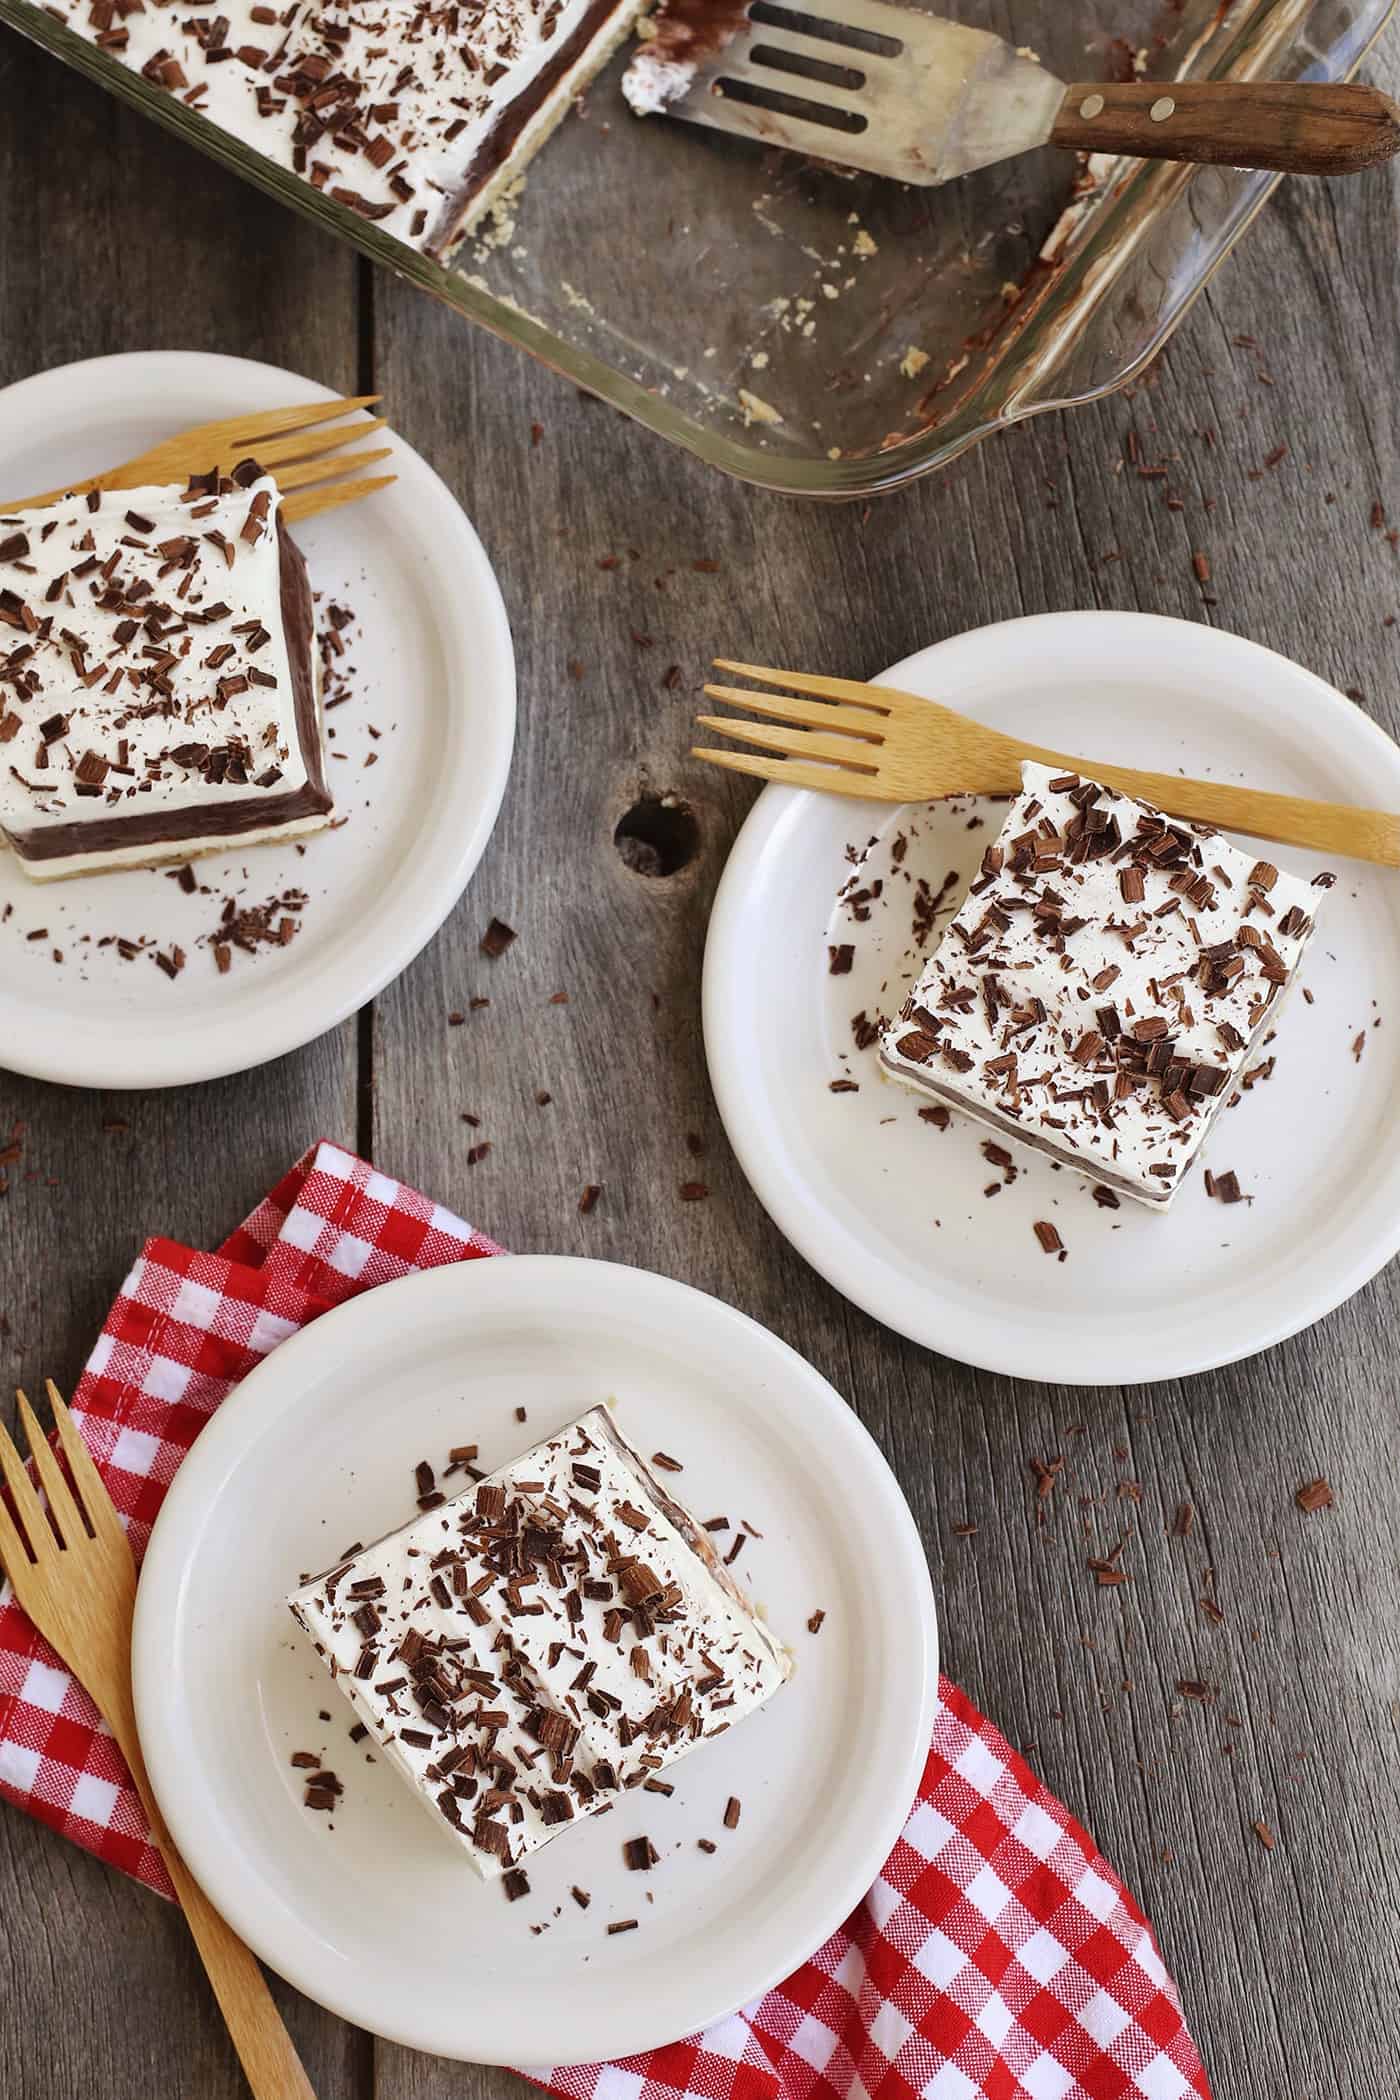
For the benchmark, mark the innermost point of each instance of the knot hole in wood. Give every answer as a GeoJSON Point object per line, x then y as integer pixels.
{"type": "Point", "coordinates": [657, 836]}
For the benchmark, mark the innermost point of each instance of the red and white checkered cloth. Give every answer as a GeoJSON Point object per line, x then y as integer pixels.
{"type": "Point", "coordinates": [997, 1954]}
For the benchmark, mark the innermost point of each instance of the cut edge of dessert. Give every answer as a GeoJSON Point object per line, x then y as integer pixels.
{"type": "Point", "coordinates": [1105, 981]}
{"type": "Point", "coordinates": [160, 678]}
{"type": "Point", "coordinates": [527, 1652]}
{"type": "Point", "coordinates": [476, 203]}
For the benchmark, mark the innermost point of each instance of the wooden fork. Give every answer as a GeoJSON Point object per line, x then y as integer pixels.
{"type": "Point", "coordinates": [302, 457]}
{"type": "Point", "coordinates": [73, 1573]}
{"type": "Point", "coordinates": [887, 746]}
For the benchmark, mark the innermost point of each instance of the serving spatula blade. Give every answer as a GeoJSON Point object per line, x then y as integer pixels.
{"type": "Point", "coordinates": [889, 89]}
{"type": "Point", "coordinates": [874, 86]}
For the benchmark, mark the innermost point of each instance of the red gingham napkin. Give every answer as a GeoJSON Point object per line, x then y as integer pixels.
{"type": "Point", "coordinates": [997, 1954]}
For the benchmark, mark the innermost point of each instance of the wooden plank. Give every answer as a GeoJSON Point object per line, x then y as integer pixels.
{"type": "Point", "coordinates": [115, 237]}
{"type": "Point", "coordinates": [1272, 1968]}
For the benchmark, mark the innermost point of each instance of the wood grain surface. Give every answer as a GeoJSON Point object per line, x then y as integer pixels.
{"type": "Point", "coordinates": [1277, 408]}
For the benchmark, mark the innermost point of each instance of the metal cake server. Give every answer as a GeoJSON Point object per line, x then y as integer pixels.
{"type": "Point", "coordinates": [887, 88]}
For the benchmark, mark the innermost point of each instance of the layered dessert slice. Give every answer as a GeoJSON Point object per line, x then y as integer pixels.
{"type": "Point", "coordinates": [158, 678]}
{"type": "Point", "coordinates": [1104, 983]}
{"type": "Point", "coordinates": [416, 117]}
{"type": "Point", "coordinates": [527, 1651]}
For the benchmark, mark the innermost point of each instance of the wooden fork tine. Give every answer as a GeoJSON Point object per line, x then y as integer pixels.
{"type": "Point", "coordinates": [875, 697]}
{"type": "Point", "coordinates": [13, 1552]}
{"type": "Point", "coordinates": [309, 503]}
{"type": "Point", "coordinates": [244, 430]}
{"type": "Point", "coordinates": [831, 780]}
{"type": "Point", "coordinates": [93, 1498]}
{"type": "Point", "coordinates": [801, 743]}
{"type": "Point", "coordinates": [319, 470]}
{"type": "Point", "coordinates": [28, 1508]}
{"type": "Point", "coordinates": [851, 721]}
{"type": "Point", "coordinates": [325, 439]}
{"type": "Point", "coordinates": [67, 1517]}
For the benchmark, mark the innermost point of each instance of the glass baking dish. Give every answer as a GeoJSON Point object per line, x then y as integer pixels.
{"type": "Point", "coordinates": [828, 334]}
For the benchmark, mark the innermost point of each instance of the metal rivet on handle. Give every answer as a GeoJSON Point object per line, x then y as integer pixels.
{"type": "Point", "coordinates": [1090, 106]}
{"type": "Point", "coordinates": [1161, 109]}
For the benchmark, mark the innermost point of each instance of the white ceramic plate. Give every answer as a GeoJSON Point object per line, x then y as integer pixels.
{"type": "Point", "coordinates": [891, 1210]}
{"type": "Point", "coordinates": [381, 1918]}
{"type": "Point", "coordinates": [433, 673]}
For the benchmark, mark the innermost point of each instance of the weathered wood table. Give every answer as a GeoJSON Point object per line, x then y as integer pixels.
{"type": "Point", "coordinates": [112, 237]}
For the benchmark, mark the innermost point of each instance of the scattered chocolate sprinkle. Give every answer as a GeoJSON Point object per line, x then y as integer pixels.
{"type": "Point", "coordinates": [732, 1812]}
{"type": "Point", "coordinates": [497, 938]}
{"type": "Point", "coordinates": [666, 1462]}
{"type": "Point", "coordinates": [1049, 1238]}
{"type": "Point", "coordinates": [622, 1925]}
{"type": "Point", "coordinates": [841, 959]}
{"type": "Point", "coordinates": [1264, 1834]}
{"type": "Point", "coordinates": [815, 1623]}
{"type": "Point", "coordinates": [516, 1884]}
{"type": "Point", "coordinates": [588, 1200]}
{"type": "Point", "coordinates": [640, 1854]}
{"type": "Point", "coordinates": [1314, 1495]}
{"type": "Point", "coordinates": [581, 1897]}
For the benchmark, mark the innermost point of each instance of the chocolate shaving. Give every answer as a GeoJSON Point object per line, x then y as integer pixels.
{"type": "Point", "coordinates": [497, 938]}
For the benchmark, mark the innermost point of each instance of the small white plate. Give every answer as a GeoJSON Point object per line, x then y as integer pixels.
{"type": "Point", "coordinates": [891, 1210]}
{"type": "Point", "coordinates": [381, 1918]}
{"type": "Point", "coordinates": [434, 674]}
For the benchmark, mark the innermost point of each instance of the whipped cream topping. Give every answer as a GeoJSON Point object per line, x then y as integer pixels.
{"type": "Point", "coordinates": [1104, 983]}
{"type": "Point", "coordinates": [527, 1651]}
{"type": "Point", "coordinates": [145, 665]}
{"type": "Point", "coordinates": [403, 113]}
{"type": "Point", "coordinates": [652, 84]}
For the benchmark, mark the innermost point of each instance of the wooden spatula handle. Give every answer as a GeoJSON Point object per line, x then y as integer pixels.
{"type": "Point", "coordinates": [1304, 128]}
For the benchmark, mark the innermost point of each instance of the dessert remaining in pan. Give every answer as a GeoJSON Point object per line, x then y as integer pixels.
{"type": "Point", "coordinates": [158, 677]}
{"type": "Point", "coordinates": [1104, 984]}
{"type": "Point", "coordinates": [528, 1651]}
{"type": "Point", "coordinates": [416, 117]}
